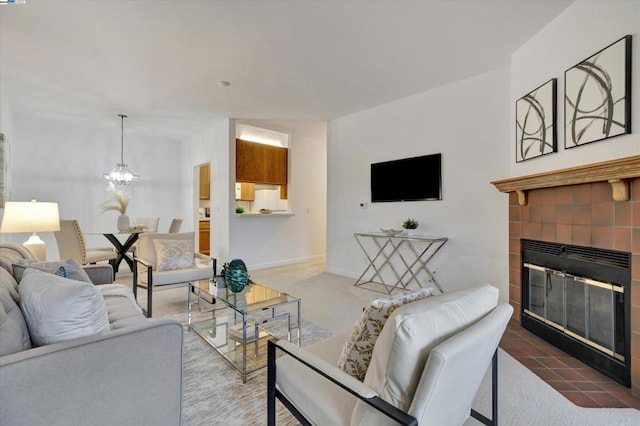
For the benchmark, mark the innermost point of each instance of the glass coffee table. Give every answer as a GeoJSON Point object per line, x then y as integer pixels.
{"type": "Point", "coordinates": [232, 323]}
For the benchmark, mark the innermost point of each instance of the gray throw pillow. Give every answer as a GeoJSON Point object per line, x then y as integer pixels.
{"type": "Point", "coordinates": [58, 309]}
{"type": "Point", "coordinates": [65, 268]}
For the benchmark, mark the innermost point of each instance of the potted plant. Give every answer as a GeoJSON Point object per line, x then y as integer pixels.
{"type": "Point", "coordinates": [410, 225]}
{"type": "Point", "coordinates": [239, 210]}
{"type": "Point", "coordinates": [220, 279]}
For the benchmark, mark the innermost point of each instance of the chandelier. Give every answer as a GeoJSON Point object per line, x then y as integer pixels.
{"type": "Point", "coordinates": [120, 174]}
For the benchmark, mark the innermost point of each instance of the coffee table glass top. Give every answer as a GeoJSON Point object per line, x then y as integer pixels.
{"type": "Point", "coordinates": [254, 297]}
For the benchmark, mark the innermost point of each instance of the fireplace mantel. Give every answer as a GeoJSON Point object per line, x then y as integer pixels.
{"type": "Point", "coordinates": [616, 172]}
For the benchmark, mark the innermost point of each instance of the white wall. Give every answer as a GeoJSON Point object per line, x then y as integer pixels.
{"type": "Point", "coordinates": [468, 123]}
{"type": "Point", "coordinates": [581, 30]}
{"type": "Point", "coordinates": [212, 146]}
{"type": "Point", "coordinates": [270, 241]}
{"type": "Point", "coordinates": [63, 161]}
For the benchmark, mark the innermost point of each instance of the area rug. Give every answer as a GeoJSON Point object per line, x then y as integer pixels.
{"type": "Point", "coordinates": [215, 395]}
{"type": "Point", "coordinates": [213, 392]}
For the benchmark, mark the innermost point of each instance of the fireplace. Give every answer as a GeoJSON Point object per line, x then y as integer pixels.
{"type": "Point", "coordinates": [591, 206]}
{"type": "Point", "coordinates": [577, 298]}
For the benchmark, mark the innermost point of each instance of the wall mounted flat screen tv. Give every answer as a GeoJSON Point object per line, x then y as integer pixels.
{"type": "Point", "coordinates": [407, 179]}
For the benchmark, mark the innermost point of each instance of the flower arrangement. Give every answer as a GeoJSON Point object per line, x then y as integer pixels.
{"type": "Point", "coordinates": [119, 201]}
{"type": "Point", "coordinates": [410, 224]}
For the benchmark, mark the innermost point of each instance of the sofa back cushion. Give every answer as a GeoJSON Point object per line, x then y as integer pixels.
{"type": "Point", "coordinates": [14, 334]}
{"type": "Point", "coordinates": [146, 249]}
{"type": "Point", "coordinates": [58, 309]}
{"type": "Point", "coordinates": [409, 335]}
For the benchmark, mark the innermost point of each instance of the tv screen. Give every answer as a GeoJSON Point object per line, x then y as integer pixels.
{"type": "Point", "coordinates": [408, 179]}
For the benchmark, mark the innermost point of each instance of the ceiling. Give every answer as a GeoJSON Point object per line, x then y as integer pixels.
{"type": "Point", "coordinates": [161, 62]}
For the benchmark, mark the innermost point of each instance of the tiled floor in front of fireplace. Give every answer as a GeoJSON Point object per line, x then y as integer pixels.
{"type": "Point", "coordinates": [578, 382]}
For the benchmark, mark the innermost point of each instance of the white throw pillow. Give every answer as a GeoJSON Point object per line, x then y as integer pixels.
{"type": "Point", "coordinates": [58, 309]}
{"type": "Point", "coordinates": [173, 254]}
{"type": "Point", "coordinates": [356, 353]}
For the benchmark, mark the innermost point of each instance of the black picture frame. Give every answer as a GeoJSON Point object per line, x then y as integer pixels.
{"type": "Point", "coordinates": [536, 133]}
{"type": "Point", "coordinates": [597, 96]}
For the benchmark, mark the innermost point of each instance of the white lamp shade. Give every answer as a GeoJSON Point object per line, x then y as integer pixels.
{"type": "Point", "coordinates": [30, 216]}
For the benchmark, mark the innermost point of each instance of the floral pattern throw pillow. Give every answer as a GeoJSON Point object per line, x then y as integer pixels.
{"type": "Point", "coordinates": [358, 349]}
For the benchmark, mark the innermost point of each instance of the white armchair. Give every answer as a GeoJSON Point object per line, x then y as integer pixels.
{"type": "Point", "coordinates": [176, 264]}
{"type": "Point", "coordinates": [426, 368]}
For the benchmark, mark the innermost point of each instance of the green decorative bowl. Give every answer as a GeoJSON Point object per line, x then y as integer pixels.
{"type": "Point", "coordinates": [236, 276]}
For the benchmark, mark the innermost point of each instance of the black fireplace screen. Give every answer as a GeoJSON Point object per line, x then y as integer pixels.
{"type": "Point", "coordinates": [577, 298]}
{"type": "Point", "coordinates": [583, 308]}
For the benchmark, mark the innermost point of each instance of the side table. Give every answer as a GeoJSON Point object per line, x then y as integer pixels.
{"type": "Point", "coordinates": [404, 256]}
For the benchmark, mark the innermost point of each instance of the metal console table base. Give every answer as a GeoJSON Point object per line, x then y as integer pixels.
{"type": "Point", "coordinates": [406, 270]}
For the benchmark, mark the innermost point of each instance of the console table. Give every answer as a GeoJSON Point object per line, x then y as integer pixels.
{"type": "Point", "coordinates": [411, 255]}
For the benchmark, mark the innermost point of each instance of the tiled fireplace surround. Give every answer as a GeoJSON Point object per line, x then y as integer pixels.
{"type": "Point", "coordinates": [586, 215]}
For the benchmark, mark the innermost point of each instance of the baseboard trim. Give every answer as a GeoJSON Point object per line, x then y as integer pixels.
{"type": "Point", "coordinates": [285, 262]}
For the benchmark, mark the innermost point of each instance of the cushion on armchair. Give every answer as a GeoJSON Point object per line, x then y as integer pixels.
{"type": "Point", "coordinates": [356, 353]}
{"type": "Point", "coordinates": [173, 254]}
{"type": "Point", "coordinates": [146, 247]}
{"type": "Point", "coordinates": [408, 337]}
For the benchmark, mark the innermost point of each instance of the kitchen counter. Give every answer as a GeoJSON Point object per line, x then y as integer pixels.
{"type": "Point", "coordinates": [254, 215]}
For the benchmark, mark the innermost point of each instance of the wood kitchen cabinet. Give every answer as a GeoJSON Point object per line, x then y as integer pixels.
{"type": "Point", "coordinates": [247, 191]}
{"type": "Point", "coordinates": [204, 236]}
{"type": "Point", "coordinates": [205, 185]}
{"type": "Point", "coordinates": [260, 163]}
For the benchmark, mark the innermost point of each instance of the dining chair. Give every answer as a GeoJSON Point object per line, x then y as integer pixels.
{"type": "Point", "coordinates": [72, 245]}
{"type": "Point", "coordinates": [175, 226]}
{"type": "Point", "coordinates": [150, 223]}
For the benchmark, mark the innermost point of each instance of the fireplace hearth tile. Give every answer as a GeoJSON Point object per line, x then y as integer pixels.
{"type": "Point", "coordinates": [606, 400]}
{"type": "Point", "coordinates": [602, 214]}
{"type": "Point", "coordinates": [562, 385]}
{"type": "Point", "coordinates": [636, 214]}
{"type": "Point", "coordinates": [548, 213]}
{"type": "Point", "coordinates": [564, 234]}
{"type": "Point", "coordinates": [622, 239]}
{"type": "Point", "coordinates": [514, 213]}
{"type": "Point", "coordinates": [623, 214]}
{"type": "Point", "coordinates": [581, 194]}
{"type": "Point", "coordinates": [564, 214]}
{"type": "Point", "coordinates": [600, 192]}
{"type": "Point", "coordinates": [582, 214]}
{"type": "Point", "coordinates": [602, 237]}
{"type": "Point", "coordinates": [564, 195]}
{"type": "Point", "coordinates": [580, 399]}
{"type": "Point", "coordinates": [549, 232]}
{"type": "Point", "coordinates": [581, 235]}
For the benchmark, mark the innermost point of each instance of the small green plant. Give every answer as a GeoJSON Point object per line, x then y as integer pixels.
{"type": "Point", "coordinates": [223, 271]}
{"type": "Point", "coordinates": [239, 209]}
{"type": "Point", "coordinates": [410, 224]}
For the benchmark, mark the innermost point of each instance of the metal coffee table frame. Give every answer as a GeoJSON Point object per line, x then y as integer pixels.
{"type": "Point", "coordinates": [388, 247]}
{"type": "Point", "coordinates": [215, 330]}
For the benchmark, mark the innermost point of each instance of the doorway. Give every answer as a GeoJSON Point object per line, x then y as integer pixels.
{"type": "Point", "coordinates": [203, 211]}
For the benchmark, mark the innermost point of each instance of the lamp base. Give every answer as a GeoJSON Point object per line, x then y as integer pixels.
{"type": "Point", "coordinates": [37, 247]}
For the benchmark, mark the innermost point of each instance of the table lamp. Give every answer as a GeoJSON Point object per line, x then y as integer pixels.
{"type": "Point", "coordinates": [31, 216]}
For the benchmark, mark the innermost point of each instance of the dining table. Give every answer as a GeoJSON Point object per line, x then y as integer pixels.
{"type": "Point", "coordinates": [122, 248]}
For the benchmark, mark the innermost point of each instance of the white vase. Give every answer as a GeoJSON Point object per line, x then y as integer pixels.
{"type": "Point", "coordinates": [412, 232]}
{"type": "Point", "coordinates": [123, 222]}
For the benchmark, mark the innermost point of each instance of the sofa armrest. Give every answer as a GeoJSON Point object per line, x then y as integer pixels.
{"type": "Point", "coordinates": [99, 274]}
{"type": "Point", "coordinates": [130, 376]}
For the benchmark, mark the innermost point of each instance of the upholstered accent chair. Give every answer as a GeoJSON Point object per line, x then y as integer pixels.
{"type": "Point", "coordinates": [175, 225]}
{"type": "Point", "coordinates": [167, 260]}
{"type": "Point", "coordinates": [426, 368]}
{"type": "Point", "coordinates": [71, 245]}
